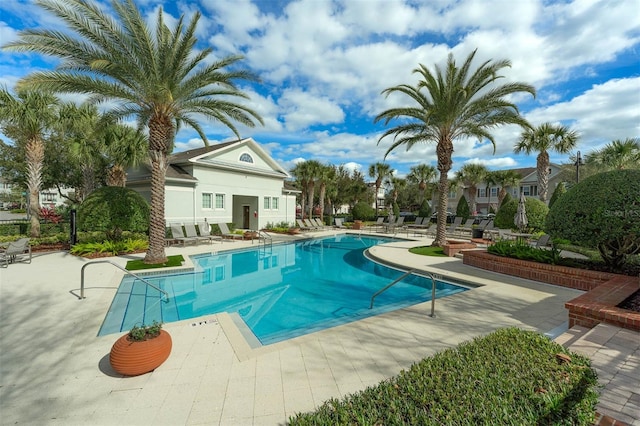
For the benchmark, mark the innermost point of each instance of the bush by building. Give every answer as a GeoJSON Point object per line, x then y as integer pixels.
{"type": "Point", "coordinates": [603, 212]}
{"type": "Point", "coordinates": [536, 214]}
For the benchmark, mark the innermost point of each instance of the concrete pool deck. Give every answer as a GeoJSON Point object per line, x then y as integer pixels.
{"type": "Point", "coordinates": [55, 370]}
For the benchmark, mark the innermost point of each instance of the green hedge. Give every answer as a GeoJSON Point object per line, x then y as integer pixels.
{"type": "Point", "coordinates": [536, 214]}
{"type": "Point", "coordinates": [508, 377]}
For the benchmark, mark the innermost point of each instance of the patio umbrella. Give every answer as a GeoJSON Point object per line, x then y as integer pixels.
{"type": "Point", "coordinates": [520, 218]}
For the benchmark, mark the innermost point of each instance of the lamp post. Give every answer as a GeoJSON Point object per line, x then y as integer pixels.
{"type": "Point", "coordinates": [578, 163]}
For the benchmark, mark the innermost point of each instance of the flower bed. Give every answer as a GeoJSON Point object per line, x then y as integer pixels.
{"type": "Point", "coordinates": [604, 291]}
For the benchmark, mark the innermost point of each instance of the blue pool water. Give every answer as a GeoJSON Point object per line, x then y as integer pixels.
{"type": "Point", "coordinates": [280, 291]}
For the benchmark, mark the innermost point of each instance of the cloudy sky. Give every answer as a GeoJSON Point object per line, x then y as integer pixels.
{"type": "Point", "coordinates": [323, 65]}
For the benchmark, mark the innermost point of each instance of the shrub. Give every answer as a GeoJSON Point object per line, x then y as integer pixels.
{"type": "Point", "coordinates": [602, 211]}
{"type": "Point", "coordinates": [560, 190]}
{"type": "Point", "coordinates": [363, 211]}
{"type": "Point", "coordinates": [536, 213]}
{"type": "Point", "coordinates": [523, 251]}
{"type": "Point", "coordinates": [510, 376]}
{"type": "Point", "coordinates": [396, 209]}
{"type": "Point", "coordinates": [112, 210]}
{"type": "Point", "coordinates": [462, 210]}
{"type": "Point", "coordinates": [425, 209]}
{"type": "Point", "coordinates": [505, 200]}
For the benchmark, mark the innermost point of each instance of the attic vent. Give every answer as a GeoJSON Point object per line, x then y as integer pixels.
{"type": "Point", "coordinates": [246, 158]}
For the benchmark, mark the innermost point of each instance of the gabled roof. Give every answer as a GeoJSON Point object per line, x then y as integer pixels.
{"type": "Point", "coordinates": [211, 156]}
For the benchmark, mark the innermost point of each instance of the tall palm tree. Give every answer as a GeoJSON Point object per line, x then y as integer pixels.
{"type": "Point", "coordinates": [489, 180]}
{"type": "Point", "coordinates": [149, 71]}
{"type": "Point", "coordinates": [459, 103]}
{"type": "Point", "coordinates": [546, 137]}
{"type": "Point", "coordinates": [326, 174]}
{"type": "Point", "coordinates": [379, 171]}
{"type": "Point", "coordinates": [396, 186]}
{"type": "Point", "coordinates": [505, 179]}
{"type": "Point", "coordinates": [617, 154]}
{"type": "Point", "coordinates": [79, 125]}
{"type": "Point", "coordinates": [125, 147]}
{"type": "Point", "coordinates": [423, 175]}
{"type": "Point", "coordinates": [27, 118]}
{"type": "Point", "coordinates": [302, 175]}
{"type": "Point", "coordinates": [313, 170]}
{"type": "Point", "coordinates": [470, 175]}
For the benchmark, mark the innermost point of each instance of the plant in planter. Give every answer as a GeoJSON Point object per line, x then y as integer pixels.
{"type": "Point", "coordinates": [141, 350]}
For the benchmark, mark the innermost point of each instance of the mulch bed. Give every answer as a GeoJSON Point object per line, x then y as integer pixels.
{"type": "Point", "coordinates": [631, 303]}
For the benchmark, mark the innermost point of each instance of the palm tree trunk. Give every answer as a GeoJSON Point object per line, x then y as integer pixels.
{"type": "Point", "coordinates": [543, 175]}
{"type": "Point", "coordinates": [35, 160]}
{"type": "Point", "coordinates": [323, 189]}
{"type": "Point", "coordinates": [444, 150]}
{"type": "Point", "coordinates": [311, 197]}
{"type": "Point", "coordinates": [116, 176]}
{"type": "Point", "coordinates": [161, 132]}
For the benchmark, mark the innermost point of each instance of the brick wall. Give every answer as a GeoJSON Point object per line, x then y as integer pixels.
{"type": "Point", "coordinates": [604, 291]}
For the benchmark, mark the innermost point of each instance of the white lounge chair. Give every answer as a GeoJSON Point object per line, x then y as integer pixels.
{"type": "Point", "coordinates": [15, 251]}
{"type": "Point", "coordinates": [224, 229]}
{"type": "Point", "coordinates": [178, 235]}
{"type": "Point", "coordinates": [190, 230]}
{"type": "Point", "coordinates": [204, 231]}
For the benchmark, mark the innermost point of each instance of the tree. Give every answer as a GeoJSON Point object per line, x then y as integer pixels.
{"type": "Point", "coordinates": [617, 155]}
{"type": "Point", "coordinates": [380, 171]}
{"type": "Point", "coordinates": [325, 175]}
{"type": "Point", "coordinates": [462, 209]}
{"type": "Point", "coordinates": [125, 147]}
{"type": "Point", "coordinates": [536, 214]}
{"type": "Point", "coordinates": [148, 71]}
{"type": "Point", "coordinates": [490, 180]}
{"type": "Point", "coordinates": [27, 118]}
{"type": "Point", "coordinates": [505, 179]}
{"type": "Point", "coordinates": [471, 175]}
{"type": "Point", "coordinates": [561, 188]}
{"type": "Point", "coordinates": [544, 138]}
{"type": "Point", "coordinates": [423, 175]}
{"type": "Point", "coordinates": [396, 185]}
{"type": "Point", "coordinates": [459, 103]}
{"type": "Point", "coordinates": [313, 170]}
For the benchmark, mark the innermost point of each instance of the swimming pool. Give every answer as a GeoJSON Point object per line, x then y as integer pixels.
{"type": "Point", "coordinates": [280, 291]}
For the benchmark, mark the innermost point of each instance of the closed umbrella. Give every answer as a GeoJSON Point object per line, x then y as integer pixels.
{"type": "Point", "coordinates": [520, 218]}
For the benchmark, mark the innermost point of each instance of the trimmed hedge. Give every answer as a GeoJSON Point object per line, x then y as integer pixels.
{"type": "Point", "coordinates": [510, 376]}
{"type": "Point", "coordinates": [363, 211]}
{"type": "Point", "coordinates": [536, 214]}
{"type": "Point", "coordinates": [462, 209]}
{"type": "Point", "coordinates": [601, 211]}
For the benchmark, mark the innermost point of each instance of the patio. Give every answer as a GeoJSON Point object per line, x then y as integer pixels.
{"type": "Point", "coordinates": [54, 370]}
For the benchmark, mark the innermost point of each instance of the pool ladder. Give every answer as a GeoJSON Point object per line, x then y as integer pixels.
{"type": "Point", "coordinates": [265, 236]}
{"type": "Point", "coordinates": [122, 269]}
{"type": "Point", "coordinates": [403, 276]}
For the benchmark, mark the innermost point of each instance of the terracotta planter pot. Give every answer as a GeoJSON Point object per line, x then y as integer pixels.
{"type": "Point", "coordinates": [135, 358]}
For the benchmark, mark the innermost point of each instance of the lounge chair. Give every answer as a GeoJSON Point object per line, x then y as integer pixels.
{"type": "Point", "coordinates": [317, 223]}
{"type": "Point", "coordinates": [190, 231]}
{"type": "Point", "coordinates": [392, 227]}
{"type": "Point", "coordinates": [456, 223]}
{"type": "Point", "coordinates": [204, 230]}
{"type": "Point", "coordinates": [310, 225]}
{"type": "Point", "coordinates": [543, 242]}
{"type": "Point", "coordinates": [465, 228]}
{"type": "Point", "coordinates": [379, 223]}
{"type": "Point", "coordinates": [15, 251]}
{"type": "Point", "coordinates": [303, 226]}
{"type": "Point", "coordinates": [339, 222]}
{"type": "Point", "coordinates": [224, 229]}
{"type": "Point", "coordinates": [178, 235]}
{"type": "Point", "coordinates": [431, 230]}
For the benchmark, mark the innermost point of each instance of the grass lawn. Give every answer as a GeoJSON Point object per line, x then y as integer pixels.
{"type": "Point", "coordinates": [135, 265]}
{"type": "Point", "coordinates": [428, 251]}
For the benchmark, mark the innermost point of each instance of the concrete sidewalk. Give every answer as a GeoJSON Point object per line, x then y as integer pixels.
{"type": "Point", "coordinates": [54, 370]}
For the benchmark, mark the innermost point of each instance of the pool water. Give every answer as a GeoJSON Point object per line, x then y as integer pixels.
{"type": "Point", "coordinates": [280, 291]}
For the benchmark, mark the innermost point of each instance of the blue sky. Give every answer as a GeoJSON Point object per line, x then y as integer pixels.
{"type": "Point", "coordinates": [323, 65]}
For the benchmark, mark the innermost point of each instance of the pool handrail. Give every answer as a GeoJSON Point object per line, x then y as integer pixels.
{"type": "Point", "coordinates": [410, 272]}
{"type": "Point", "coordinates": [122, 269]}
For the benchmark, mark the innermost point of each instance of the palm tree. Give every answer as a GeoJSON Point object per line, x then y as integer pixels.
{"type": "Point", "coordinates": [27, 118]}
{"type": "Point", "coordinates": [546, 137]}
{"type": "Point", "coordinates": [396, 185]}
{"type": "Point", "coordinates": [459, 103]}
{"type": "Point", "coordinates": [617, 155]}
{"type": "Point", "coordinates": [313, 170]}
{"type": "Point", "coordinates": [489, 180]}
{"type": "Point", "coordinates": [149, 71]}
{"type": "Point", "coordinates": [301, 173]}
{"type": "Point", "coordinates": [79, 127]}
{"type": "Point", "coordinates": [423, 175]}
{"type": "Point", "coordinates": [470, 175]}
{"type": "Point", "coordinates": [125, 147]}
{"type": "Point", "coordinates": [380, 171]}
{"type": "Point", "coordinates": [326, 174]}
{"type": "Point", "coordinates": [505, 179]}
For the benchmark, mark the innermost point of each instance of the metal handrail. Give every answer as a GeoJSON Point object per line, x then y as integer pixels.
{"type": "Point", "coordinates": [265, 236]}
{"type": "Point", "coordinates": [409, 272]}
{"type": "Point", "coordinates": [122, 269]}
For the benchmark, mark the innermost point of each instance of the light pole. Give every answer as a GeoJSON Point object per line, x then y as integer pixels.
{"type": "Point", "coordinates": [578, 163]}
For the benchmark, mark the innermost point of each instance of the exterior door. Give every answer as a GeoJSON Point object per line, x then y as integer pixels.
{"type": "Point", "coordinates": [245, 217]}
